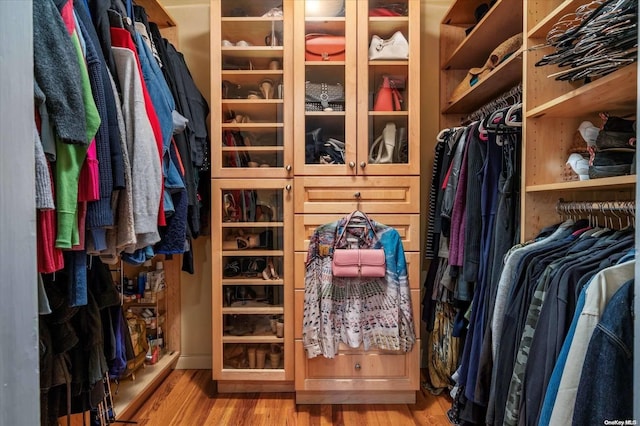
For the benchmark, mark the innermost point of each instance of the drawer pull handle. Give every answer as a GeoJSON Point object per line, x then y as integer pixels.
{"type": "Point", "coordinates": [358, 366]}
{"type": "Point", "coordinates": [357, 194]}
{"type": "Point", "coordinates": [352, 164]}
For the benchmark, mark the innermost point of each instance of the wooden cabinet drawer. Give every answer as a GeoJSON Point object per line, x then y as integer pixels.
{"type": "Point", "coordinates": [354, 366]}
{"type": "Point", "coordinates": [358, 370]}
{"type": "Point", "coordinates": [407, 225]}
{"type": "Point", "coordinates": [371, 194]}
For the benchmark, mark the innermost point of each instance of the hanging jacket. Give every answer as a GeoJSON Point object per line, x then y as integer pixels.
{"type": "Point", "coordinates": [374, 312]}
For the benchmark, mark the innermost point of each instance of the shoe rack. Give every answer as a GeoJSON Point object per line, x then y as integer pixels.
{"type": "Point", "coordinates": [251, 66]}
{"type": "Point", "coordinates": [252, 171]}
{"type": "Point", "coordinates": [465, 43]}
{"type": "Point", "coordinates": [553, 112]}
{"type": "Point", "coordinates": [266, 158]}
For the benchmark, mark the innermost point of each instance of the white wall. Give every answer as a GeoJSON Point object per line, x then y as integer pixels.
{"type": "Point", "coordinates": [19, 355]}
{"type": "Point", "coordinates": [192, 18]}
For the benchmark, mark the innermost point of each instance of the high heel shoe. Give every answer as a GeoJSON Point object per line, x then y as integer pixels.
{"type": "Point", "coordinates": [266, 274]}
{"type": "Point", "coordinates": [402, 146]}
{"type": "Point", "coordinates": [389, 137]}
{"type": "Point", "coordinates": [266, 87]}
{"type": "Point", "coordinates": [229, 208]}
{"type": "Point", "coordinates": [239, 118]}
{"type": "Point", "coordinates": [383, 146]}
{"type": "Point", "coordinates": [272, 270]}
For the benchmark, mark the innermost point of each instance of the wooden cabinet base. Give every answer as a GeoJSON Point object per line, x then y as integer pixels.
{"type": "Point", "coordinates": [356, 397]}
{"type": "Point", "coordinates": [245, 386]}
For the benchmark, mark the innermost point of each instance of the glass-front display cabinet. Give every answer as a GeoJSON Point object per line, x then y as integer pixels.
{"type": "Point", "coordinates": [252, 293]}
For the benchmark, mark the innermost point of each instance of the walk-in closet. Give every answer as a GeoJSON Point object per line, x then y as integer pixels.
{"type": "Point", "coordinates": [319, 212]}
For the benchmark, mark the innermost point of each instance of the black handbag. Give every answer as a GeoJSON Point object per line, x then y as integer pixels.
{"type": "Point", "coordinates": [324, 96]}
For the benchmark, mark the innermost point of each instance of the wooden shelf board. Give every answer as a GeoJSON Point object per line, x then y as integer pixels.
{"type": "Point", "coordinates": [476, 47]}
{"type": "Point", "coordinates": [609, 93]}
{"type": "Point", "coordinates": [254, 253]}
{"type": "Point", "coordinates": [567, 6]}
{"type": "Point", "coordinates": [612, 183]}
{"type": "Point", "coordinates": [462, 12]}
{"type": "Point", "coordinates": [260, 73]}
{"type": "Point", "coordinates": [323, 20]}
{"type": "Point", "coordinates": [133, 393]}
{"type": "Point", "coordinates": [251, 281]}
{"type": "Point", "coordinates": [252, 310]}
{"type": "Point", "coordinates": [156, 13]}
{"type": "Point", "coordinates": [326, 113]}
{"type": "Point", "coordinates": [252, 126]}
{"type": "Point", "coordinates": [252, 101]}
{"type": "Point", "coordinates": [399, 62]}
{"type": "Point", "coordinates": [252, 339]}
{"type": "Point", "coordinates": [388, 19]}
{"type": "Point", "coordinates": [324, 63]}
{"type": "Point", "coordinates": [502, 78]}
{"type": "Point", "coordinates": [252, 224]}
{"type": "Point", "coordinates": [250, 18]}
{"type": "Point", "coordinates": [252, 148]}
{"type": "Point", "coordinates": [389, 113]}
{"type": "Point", "coordinates": [252, 52]}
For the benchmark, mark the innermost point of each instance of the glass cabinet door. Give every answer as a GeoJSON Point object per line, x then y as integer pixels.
{"type": "Point", "coordinates": [251, 297]}
{"type": "Point", "coordinates": [250, 71]}
{"type": "Point", "coordinates": [325, 87]}
{"type": "Point", "coordinates": [389, 120]}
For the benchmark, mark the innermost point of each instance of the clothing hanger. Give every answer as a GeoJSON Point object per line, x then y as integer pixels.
{"type": "Point", "coordinates": [509, 119]}
{"type": "Point", "coordinates": [440, 137]}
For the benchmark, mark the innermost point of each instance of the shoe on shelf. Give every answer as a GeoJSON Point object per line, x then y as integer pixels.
{"type": "Point", "coordinates": [230, 209]}
{"type": "Point", "coordinates": [275, 12]}
{"type": "Point", "coordinates": [402, 146]}
{"type": "Point", "coordinates": [383, 146]}
{"type": "Point", "coordinates": [266, 87]}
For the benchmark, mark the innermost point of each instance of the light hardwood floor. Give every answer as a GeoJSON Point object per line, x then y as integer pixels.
{"type": "Point", "coordinates": [188, 398]}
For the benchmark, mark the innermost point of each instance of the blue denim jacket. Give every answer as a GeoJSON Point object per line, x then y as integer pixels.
{"type": "Point", "coordinates": [605, 386]}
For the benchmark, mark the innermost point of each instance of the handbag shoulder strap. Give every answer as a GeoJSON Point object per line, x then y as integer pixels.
{"type": "Point", "coordinates": [347, 221]}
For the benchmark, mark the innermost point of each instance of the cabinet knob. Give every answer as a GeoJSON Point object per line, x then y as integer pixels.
{"type": "Point", "coordinates": [357, 366]}
{"type": "Point", "coordinates": [352, 164]}
{"type": "Point", "coordinates": [288, 187]}
{"type": "Point", "coordinates": [288, 167]}
{"type": "Point", "coordinates": [363, 164]}
{"type": "Point", "coordinates": [357, 194]}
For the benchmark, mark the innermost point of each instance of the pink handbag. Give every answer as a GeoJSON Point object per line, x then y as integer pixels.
{"type": "Point", "coordinates": [357, 262]}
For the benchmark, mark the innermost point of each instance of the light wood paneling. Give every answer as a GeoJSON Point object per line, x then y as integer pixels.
{"type": "Point", "coordinates": [370, 194]}
{"type": "Point", "coordinates": [476, 47]}
{"type": "Point", "coordinates": [396, 380]}
{"type": "Point", "coordinates": [407, 225]}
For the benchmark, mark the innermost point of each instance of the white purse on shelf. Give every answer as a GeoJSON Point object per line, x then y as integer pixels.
{"type": "Point", "coordinates": [394, 48]}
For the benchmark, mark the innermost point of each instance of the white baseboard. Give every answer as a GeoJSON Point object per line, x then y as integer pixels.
{"type": "Point", "coordinates": [194, 362]}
